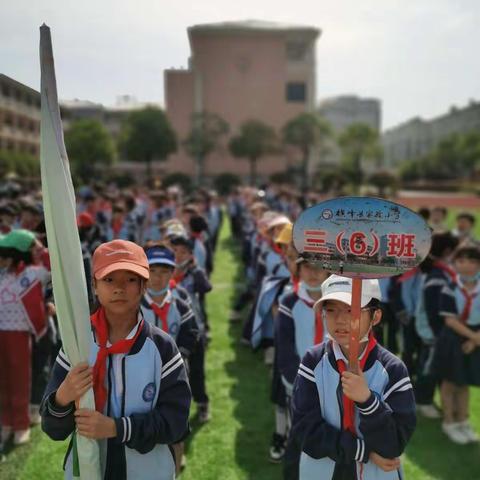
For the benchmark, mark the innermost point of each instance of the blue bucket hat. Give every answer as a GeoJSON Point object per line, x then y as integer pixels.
{"type": "Point", "coordinates": [161, 256]}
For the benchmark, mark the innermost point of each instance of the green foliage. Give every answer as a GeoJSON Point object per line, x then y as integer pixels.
{"type": "Point", "coordinates": [306, 131]}
{"type": "Point", "coordinates": [286, 177]}
{"type": "Point", "coordinates": [180, 179]}
{"type": "Point", "coordinates": [88, 144]}
{"type": "Point", "coordinates": [456, 157]}
{"type": "Point", "coordinates": [206, 131]}
{"type": "Point", "coordinates": [330, 179]}
{"type": "Point", "coordinates": [146, 136]}
{"type": "Point", "coordinates": [359, 143]}
{"type": "Point", "coordinates": [224, 183]}
{"type": "Point", "coordinates": [255, 140]}
{"type": "Point", "coordinates": [384, 180]}
{"type": "Point", "coordinates": [23, 164]}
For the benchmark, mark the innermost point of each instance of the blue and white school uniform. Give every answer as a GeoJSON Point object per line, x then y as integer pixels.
{"type": "Point", "coordinates": [149, 399]}
{"type": "Point", "coordinates": [294, 333]}
{"type": "Point", "coordinates": [182, 325]}
{"type": "Point", "coordinates": [450, 363]}
{"type": "Point", "coordinates": [263, 327]}
{"type": "Point", "coordinates": [384, 423]}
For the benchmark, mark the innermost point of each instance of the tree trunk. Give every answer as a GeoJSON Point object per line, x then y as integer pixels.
{"type": "Point", "coordinates": [148, 171]}
{"type": "Point", "coordinates": [199, 164]}
{"type": "Point", "coordinates": [305, 171]}
{"type": "Point", "coordinates": [253, 171]}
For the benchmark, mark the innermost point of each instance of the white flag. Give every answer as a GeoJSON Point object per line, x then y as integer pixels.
{"type": "Point", "coordinates": [68, 276]}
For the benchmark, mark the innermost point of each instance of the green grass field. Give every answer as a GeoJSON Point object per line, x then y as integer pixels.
{"type": "Point", "coordinates": [234, 445]}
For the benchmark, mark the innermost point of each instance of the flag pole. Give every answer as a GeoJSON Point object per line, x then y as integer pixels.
{"type": "Point", "coordinates": [68, 275]}
{"type": "Point", "coordinates": [353, 350]}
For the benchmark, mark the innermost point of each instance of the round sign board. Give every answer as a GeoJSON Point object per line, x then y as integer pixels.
{"type": "Point", "coordinates": [362, 237]}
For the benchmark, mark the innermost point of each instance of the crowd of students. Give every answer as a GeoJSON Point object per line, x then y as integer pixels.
{"type": "Point", "coordinates": [148, 256]}
{"type": "Point", "coordinates": [428, 317]}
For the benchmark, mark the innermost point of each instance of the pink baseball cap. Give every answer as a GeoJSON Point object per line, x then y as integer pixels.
{"type": "Point", "coordinates": [119, 255]}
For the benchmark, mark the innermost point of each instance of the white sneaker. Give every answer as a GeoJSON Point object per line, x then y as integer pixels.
{"type": "Point", "coordinates": [454, 432]}
{"type": "Point", "coordinates": [467, 429]}
{"type": "Point", "coordinates": [21, 437]}
{"type": "Point", "coordinates": [429, 411]}
{"type": "Point", "coordinates": [268, 356]}
{"type": "Point", "coordinates": [5, 435]}
{"type": "Point", "coordinates": [35, 417]}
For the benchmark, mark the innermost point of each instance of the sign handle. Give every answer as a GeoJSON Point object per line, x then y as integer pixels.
{"type": "Point", "coordinates": [353, 350]}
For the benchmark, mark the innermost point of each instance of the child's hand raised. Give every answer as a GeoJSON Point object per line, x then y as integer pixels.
{"type": "Point", "coordinates": [77, 382]}
{"type": "Point", "coordinates": [355, 386]}
{"type": "Point", "coordinates": [386, 464]}
{"type": "Point", "coordinates": [93, 424]}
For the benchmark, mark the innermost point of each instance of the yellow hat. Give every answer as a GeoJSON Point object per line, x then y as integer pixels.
{"type": "Point", "coordinates": [285, 235]}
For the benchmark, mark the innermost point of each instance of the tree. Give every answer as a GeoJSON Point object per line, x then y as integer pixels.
{"type": "Point", "coordinates": [178, 179]}
{"type": "Point", "coordinates": [147, 136]}
{"type": "Point", "coordinates": [204, 136]}
{"type": "Point", "coordinates": [306, 131]}
{"type": "Point", "coordinates": [224, 183]}
{"type": "Point", "coordinates": [359, 142]}
{"type": "Point", "coordinates": [383, 180]}
{"type": "Point", "coordinates": [88, 144]}
{"type": "Point", "coordinates": [255, 140]}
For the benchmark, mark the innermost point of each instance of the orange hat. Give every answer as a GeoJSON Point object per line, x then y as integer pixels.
{"type": "Point", "coordinates": [119, 255]}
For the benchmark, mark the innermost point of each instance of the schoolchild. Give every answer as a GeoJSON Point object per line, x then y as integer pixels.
{"type": "Point", "coordinates": [351, 426]}
{"type": "Point", "coordinates": [195, 281]}
{"type": "Point", "coordinates": [22, 314]}
{"type": "Point", "coordinates": [457, 352]}
{"type": "Point", "coordinates": [437, 273]}
{"type": "Point", "coordinates": [297, 328]}
{"type": "Point", "coordinates": [142, 397]}
{"type": "Point", "coordinates": [159, 306]}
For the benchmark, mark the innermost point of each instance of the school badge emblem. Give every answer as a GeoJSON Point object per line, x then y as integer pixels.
{"type": "Point", "coordinates": [149, 392]}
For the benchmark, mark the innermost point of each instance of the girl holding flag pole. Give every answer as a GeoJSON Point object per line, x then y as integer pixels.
{"type": "Point", "coordinates": [351, 426]}
{"type": "Point", "coordinates": [142, 397]}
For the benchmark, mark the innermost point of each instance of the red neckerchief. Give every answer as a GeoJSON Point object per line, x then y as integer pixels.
{"type": "Point", "coordinates": [469, 297]}
{"type": "Point", "coordinates": [116, 227]}
{"type": "Point", "coordinates": [197, 236]}
{"type": "Point", "coordinates": [446, 269]}
{"type": "Point", "coordinates": [172, 284]}
{"type": "Point", "coordinates": [348, 404]}
{"type": "Point", "coordinates": [408, 274]}
{"type": "Point", "coordinates": [467, 309]}
{"type": "Point", "coordinates": [99, 322]}
{"type": "Point", "coordinates": [178, 277]}
{"type": "Point", "coordinates": [160, 311]}
{"type": "Point", "coordinates": [318, 315]}
{"type": "Point", "coordinates": [276, 248]}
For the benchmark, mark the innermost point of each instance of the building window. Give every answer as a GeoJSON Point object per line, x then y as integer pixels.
{"type": "Point", "coordinates": [296, 92]}
{"type": "Point", "coordinates": [296, 50]}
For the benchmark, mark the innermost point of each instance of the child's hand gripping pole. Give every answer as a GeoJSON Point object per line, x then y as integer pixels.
{"type": "Point", "coordinates": [353, 349]}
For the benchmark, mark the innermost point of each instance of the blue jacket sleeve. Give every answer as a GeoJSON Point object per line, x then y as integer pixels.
{"type": "Point", "coordinates": [188, 333]}
{"type": "Point", "coordinates": [288, 359]}
{"type": "Point", "coordinates": [57, 422]}
{"type": "Point", "coordinates": [316, 437]}
{"type": "Point", "coordinates": [432, 293]}
{"type": "Point", "coordinates": [388, 422]}
{"type": "Point", "coordinates": [167, 423]}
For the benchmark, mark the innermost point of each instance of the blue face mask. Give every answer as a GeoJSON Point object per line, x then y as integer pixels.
{"type": "Point", "coordinates": [310, 288]}
{"type": "Point", "coordinates": [157, 293]}
{"type": "Point", "coordinates": [470, 278]}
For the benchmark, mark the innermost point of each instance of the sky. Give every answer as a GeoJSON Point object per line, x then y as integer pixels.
{"type": "Point", "coordinates": [419, 57]}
